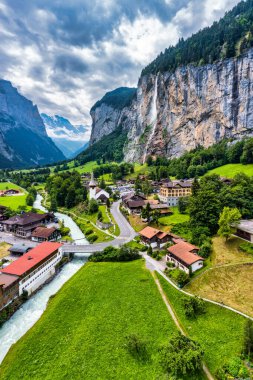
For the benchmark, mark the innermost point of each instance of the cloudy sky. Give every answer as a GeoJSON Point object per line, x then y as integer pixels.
{"type": "Point", "coordinates": [65, 54]}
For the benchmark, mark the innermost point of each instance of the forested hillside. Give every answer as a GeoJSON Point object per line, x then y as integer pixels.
{"type": "Point", "coordinates": [229, 37]}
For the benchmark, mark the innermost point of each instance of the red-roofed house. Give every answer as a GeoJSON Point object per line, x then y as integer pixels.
{"type": "Point", "coordinates": [185, 256]}
{"type": "Point", "coordinates": [36, 266]}
{"type": "Point", "coordinates": [154, 237]}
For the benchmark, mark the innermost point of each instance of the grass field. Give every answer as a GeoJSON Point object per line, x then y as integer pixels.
{"type": "Point", "coordinates": [4, 249]}
{"type": "Point", "coordinates": [175, 218]}
{"type": "Point", "coordinates": [229, 252]}
{"type": "Point", "coordinates": [230, 279]}
{"type": "Point", "coordinates": [82, 334]}
{"type": "Point", "coordinates": [230, 170]}
{"type": "Point", "coordinates": [219, 331]}
{"type": "Point", "coordinates": [13, 201]}
{"type": "Point", "coordinates": [9, 185]}
{"type": "Point", "coordinates": [136, 222]}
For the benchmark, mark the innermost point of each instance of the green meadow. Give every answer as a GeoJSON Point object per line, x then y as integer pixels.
{"type": "Point", "coordinates": [83, 333]}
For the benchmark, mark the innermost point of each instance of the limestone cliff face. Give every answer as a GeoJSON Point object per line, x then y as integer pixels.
{"type": "Point", "coordinates": [175, 112]}
{"type": "Point", "coordinates": [23, 138]}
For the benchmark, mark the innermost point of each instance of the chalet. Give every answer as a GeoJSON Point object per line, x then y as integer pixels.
{"type": "Point", "coordinates": [244, 229]}
{"type": "Point", "coordinates": [153, 237]}
{"type": "Point", "coordinates": [23, 225]}
{"type": "Point", "coordinates": [97, 193]}
{"type": "Point", "coordinates": [35, 267]}
{"type": "Point", "coordinates": [9, 289]}
{"type": "Point", "coordinates": [170, 192]}
{"type": "Point", "coordinates": [133, 203]}
{"type": "Point", "coordinates": [185, 256]}
{"type": "Point", "coordinates": [41, 234]}
{"type": "Point", "coordinates": [162, 208]}
{"type": "Point", "coordinates": [7, 192]}
{"type": "Point", "coordinates": [19, 249]}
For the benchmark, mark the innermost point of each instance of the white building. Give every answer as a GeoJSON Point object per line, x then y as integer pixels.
{"type": "Point", "coordinates": [36, 266]}
{"type": "Point", "coordinates": [185, 257]}
{"type": "Point", "coordinates": [97, 193]}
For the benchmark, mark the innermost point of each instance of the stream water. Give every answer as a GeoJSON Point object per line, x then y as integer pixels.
{"type": "Point", "coordinates": [31, 310]}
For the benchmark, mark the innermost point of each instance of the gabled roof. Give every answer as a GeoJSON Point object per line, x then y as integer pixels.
{"type": "Point", "coordinates": [31, 259]}
{"type": "Point", "coordinates": [183, 251]}
{"type": "Point", "coordinates": [25, 218]}
{"type": "Point", "coordinates": [43, 232]}
{"type": "Point", "coordinates": [149, 232]}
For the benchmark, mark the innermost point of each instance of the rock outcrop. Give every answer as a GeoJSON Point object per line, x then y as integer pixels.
{"type": "Point", "coordinates": [175, 112]}
{"type": "Point", "coordinates": [23, 138]}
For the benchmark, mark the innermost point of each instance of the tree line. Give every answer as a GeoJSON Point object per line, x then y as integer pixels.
{"type": "Point", "coordinates": [65, 190]}
{"type": "Point", "coordinates": [199, 161]}
{"type": "Point", "coordinates": [229, 37]}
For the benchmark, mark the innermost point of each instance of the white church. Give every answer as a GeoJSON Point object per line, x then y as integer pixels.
{"type": "Point", "coordinates": [97, 193]}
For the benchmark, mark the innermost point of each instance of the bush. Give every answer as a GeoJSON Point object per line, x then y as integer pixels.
{"type": "Point", "coordinates": [234, 368]}
{"type": "Point", "coordinates": [92, 238]}
{"type": "Point", "coordinates": [179, 276]}
{"type": "Point", "coordinates": [194, 306]}
{"type": "Point", "coordinates": [170, 264]}
{"type": "Point", "coordinates": [150, 251]}
{"type": "Point", "coordinates": [181, 357]}
{"type": "Point", "coordinates": [136, 347]}
{"type": "Point", "coordinates": [205, 249]}
{"type": "Point", "coordinates": [246, 247]}
{"type": "Point", "coordinates": [89, 231]}
{"type": "Point", "coordinates": [115, 254]}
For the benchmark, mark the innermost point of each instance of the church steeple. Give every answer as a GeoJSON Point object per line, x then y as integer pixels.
{"type": "Point", "coordinates": [92, 183]}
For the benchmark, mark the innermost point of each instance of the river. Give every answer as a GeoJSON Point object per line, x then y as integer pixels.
{"type": "Point", "coordinates": [31, 310]}
{"type": "Point", "coordinates": [76, 233]}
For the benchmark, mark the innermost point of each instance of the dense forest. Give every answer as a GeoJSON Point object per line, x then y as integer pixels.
{"type": "Point", "coordinates": [198, 161]}
{"type": "Point", "coordinates": [229, 37]}
{"type": "Point", "coordinates": [119, 98]}
{"type": "Point", "coordinates": [109, 148]}
{"type": "Point", "coordinates": [65, 190]}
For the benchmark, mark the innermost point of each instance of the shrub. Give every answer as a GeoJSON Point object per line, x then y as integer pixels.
{"type": "Point", "coordinates": [234, 368]}
{"type": "Point", "coordinates": [194, 306]}
{"type": "Point", "coordinates": [150, 251]}
{"type": "Point", "coordinates": [179, 276]}
{"type": "Point", "coordinates": [205, 249]}
{"type": "Point", "coordinates": [182, 356]}
{"type": "Point", "coordinates": [115, 254]}
{"type": "Point", "coordinates": [92, 238]}
{"type": "Point", "coordinates": [89, 231]}
{"type": "Point", "coordinates": [136, 346]}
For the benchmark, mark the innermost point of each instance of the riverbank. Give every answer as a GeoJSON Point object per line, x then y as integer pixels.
{"type": "Point", "coordinates": [30, 312]}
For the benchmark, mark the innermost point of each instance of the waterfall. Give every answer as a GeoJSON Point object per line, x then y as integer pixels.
{"type": "Point", "coordinates": [153, 120]}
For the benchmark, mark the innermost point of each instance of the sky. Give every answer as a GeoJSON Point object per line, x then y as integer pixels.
{"type": "Point", "coordinates": [64, 55]}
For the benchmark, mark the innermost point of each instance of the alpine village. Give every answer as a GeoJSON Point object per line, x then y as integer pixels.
{"type": "Point", "coordinates": [126, 223]}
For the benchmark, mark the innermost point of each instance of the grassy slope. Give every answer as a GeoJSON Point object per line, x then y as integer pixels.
{"type": "Point", "coordinates": [175, 218]}
{"type": "Point", "coordinates": [219, 331]}
{"type": "Point", "coordinates": [230, 279]}
{"type": "Point", "coordinates": [82, 333]}
{"type": "Point", "coordinates": [230, 170]}
{"type": "Point", "coordinates": [9, 185]}
{"type": "Point", "coordinates": [12, 201]}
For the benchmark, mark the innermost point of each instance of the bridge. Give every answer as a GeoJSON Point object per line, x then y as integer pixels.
{"type": "Point", "coordinates": [127, 234]}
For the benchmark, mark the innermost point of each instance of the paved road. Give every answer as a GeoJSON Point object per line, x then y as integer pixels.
{"type": "Point", "coordinates": [127, 234]}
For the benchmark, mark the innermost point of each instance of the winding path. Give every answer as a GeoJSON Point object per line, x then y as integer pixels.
{"type": "Point", "coordinates": [127, 234]}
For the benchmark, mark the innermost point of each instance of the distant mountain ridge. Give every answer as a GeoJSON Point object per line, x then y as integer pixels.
{"type": "Point", "coordinates": [23, 138]}
{"type": "Point", "coordinates": [68, 137]}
